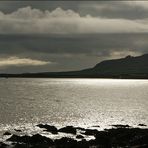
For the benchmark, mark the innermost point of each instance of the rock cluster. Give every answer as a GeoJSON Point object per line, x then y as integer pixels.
{"type": "Point", "coordinates": [119, 136]}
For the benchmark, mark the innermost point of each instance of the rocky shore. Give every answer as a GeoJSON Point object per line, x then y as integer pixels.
{"type": "Point", "coordinates": [119, 136]}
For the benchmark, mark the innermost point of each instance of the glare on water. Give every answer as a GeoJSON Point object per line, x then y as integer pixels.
{"type": "Point", "coordinates": [78, 102]}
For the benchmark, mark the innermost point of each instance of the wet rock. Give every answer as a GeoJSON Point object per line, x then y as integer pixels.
{"type": "Point", "coordinates": [90, 132]}
{"type": "Point", "coordinates": [115, 137]}
{"type": "Point", "coordinates": [79, 137]}
{"type": "Point", "coordinates": [102, 139]}
{"type": "Point", "coordinates": [80, 128]}
{"type": "Point", "coordinates": [122, 137]}
{"type": "Point", "coordinates": [35, 139]}
{"type": "Point", "coordinates": [65, 143]}
{"type": "Point", "coordinates": [141, 140]}
{"type": "Point", "coordinates": [7, 134]}
{"type": "Point", "coordinates": [40, 139]}
{"type": "Point", "coordinates": [96, 126]}
{"type": "Point", "coordinates": [121, 126]}
{"type": "Point", "coordinates": [49, 128]}
{"type": "Point", "coordinates": [14, 138]}
{"type": "Point", "coordinates": [3, 145]}
{"type": "Point", "coordinates": [21, 145]}
{"type": "Point", "coordinates": [68, 129]}
{"type": "Point", "coordinates": [141, 125]}
{"type": "Point", "coordinates": [83, 144]}
{"type": "Point", "coordinates": [17, 130]}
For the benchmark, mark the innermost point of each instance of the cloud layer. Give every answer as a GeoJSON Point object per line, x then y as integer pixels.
{"type": "Point", "coordinates": [34, 21]}
{"type": "Point", "coordinates": [72, 34]}
{"type": "Point", "coordinates": [16, 61]}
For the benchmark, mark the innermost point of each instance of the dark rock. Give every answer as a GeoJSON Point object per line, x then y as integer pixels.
{"type": "Point", "coordinates": [21, 145]}
{"type": "Point", "coordinates": [79, 137]}
{"type": "Point", "coordinates": [141, 125]}
{"type": "Point", "coordinates": [35, 139]}
{"type": "Point", "coordinates": [3, 145]}
{"type": "Point", "coordinates": [115, 137]}
{"type": "Point", "coordinates": [141, 140]}
{"type": "Point", "coordinates": [90, 132]}
{"type": "Point", "coordinates": [65, 143]}
{"type": "Point", "coordinates": [14, 138]}
{"type": "Point", "coordinates": [83, 144]}
{"type": "Point", "coordinates": [40, 139]}
{"type": "Point", "coordinates": [49, 128]}
{"type": "Point", "coordinates": [122, 137]}
{"type": "Point", "coordinates": [68, 129]}
{"type": "Point", "coordinates": [17, 130]}
{"type": "Point", "coordinates": [96, 126]}
{"type": "Point", "coordinates": [80, 128]}
{"type": "Point", "coordinates": [7, 134]}
{"type": "Point", "coordinates": [121, 126]}
{"type": "Point", "coordinates": [102, 139]}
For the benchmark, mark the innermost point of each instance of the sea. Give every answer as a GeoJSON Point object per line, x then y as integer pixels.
{"type": "Point", "coordinates": [26, 102]}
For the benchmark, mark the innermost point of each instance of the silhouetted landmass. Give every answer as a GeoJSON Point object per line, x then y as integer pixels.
{"type": "Point", "coordinates": [128, 67]}
{"type": "Point", "coordinates": [122, 136]}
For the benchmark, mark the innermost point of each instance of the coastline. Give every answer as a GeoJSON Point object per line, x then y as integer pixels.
{"type": "Point", "coordinates": [117, 136]}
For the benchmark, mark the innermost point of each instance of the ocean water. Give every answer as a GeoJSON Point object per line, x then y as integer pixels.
{"type": "Point", "coordinates": [79, 102]}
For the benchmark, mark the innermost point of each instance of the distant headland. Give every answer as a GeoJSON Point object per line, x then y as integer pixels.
{"type": "Point", "coordinates": [124, 68]}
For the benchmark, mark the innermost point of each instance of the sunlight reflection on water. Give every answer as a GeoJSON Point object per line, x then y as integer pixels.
{"type": "Point", "coordinates": [78, 102]}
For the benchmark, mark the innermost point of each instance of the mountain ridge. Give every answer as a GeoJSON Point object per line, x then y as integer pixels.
{"type": "Point", "coordinates": [128, 67]}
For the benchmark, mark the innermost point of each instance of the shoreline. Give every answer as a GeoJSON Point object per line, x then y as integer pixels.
{"type": "Point", "coordinates": [117, 136]}
{"type": "Point", "coordinates": [34, 77]}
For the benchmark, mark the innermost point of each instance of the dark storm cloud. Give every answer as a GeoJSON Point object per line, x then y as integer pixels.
{"type": "Point", "coordinates": [116, 9]}
{"type": "Point", "coordinates": [73, 35]}
{"type": "Point", "coordinates": [109, 9]}
{"type": "Point", "coordinates": [10, 6]}
{"type": "Point", "coordinates": [88, 44]}
{"type": "Point", "coordinates": [69, 52]}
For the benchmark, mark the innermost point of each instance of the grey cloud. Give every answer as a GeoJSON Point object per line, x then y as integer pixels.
{"type": "Point", "coordinates": [70, 52]}
{"type": "Point", "coordinates": [34, 21]}
{"type": "Point", "coordinates": [87, 44]}
{"type": "Point", "coordinates": [71, 49]}
{"type": "Point", "coordinates": [109, 9]}
{"type": "Point", "coordinates": [11, 6]}
{"type": "Point", "coordinates": [116, 9]}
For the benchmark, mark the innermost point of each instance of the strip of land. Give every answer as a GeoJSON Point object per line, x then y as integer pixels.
{"type": "Point", "coordinates": [125, 68]}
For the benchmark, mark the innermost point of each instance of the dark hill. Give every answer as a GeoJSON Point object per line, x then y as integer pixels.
{"type": "Point", "coordinates": [128, 67]}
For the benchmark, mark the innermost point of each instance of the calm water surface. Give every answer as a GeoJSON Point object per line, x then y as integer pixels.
{"type": "Point", "coordinates": [78, 102]}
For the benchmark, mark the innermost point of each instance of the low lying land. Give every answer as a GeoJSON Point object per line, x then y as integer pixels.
{"type": "Point", "coordinates": [118, 136]}
{"type": "Point", "coordinates": [124, 68]}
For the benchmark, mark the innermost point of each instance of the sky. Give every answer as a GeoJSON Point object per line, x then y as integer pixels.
{"type": "Point", "coordinates": [42, 36]}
